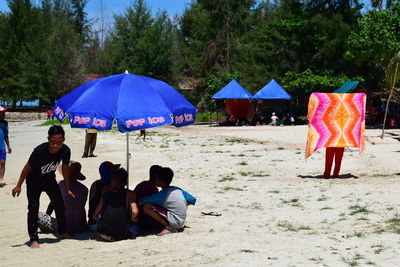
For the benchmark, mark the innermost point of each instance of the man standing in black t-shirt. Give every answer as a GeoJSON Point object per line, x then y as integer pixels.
{"type": "Point", "coordinates": [40, 176]}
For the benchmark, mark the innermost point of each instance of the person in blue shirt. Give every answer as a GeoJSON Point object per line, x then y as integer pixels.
{"type": "Point", "coordinates": [169, 206]}
{"type": "Point", "coordinates": [3, 142]}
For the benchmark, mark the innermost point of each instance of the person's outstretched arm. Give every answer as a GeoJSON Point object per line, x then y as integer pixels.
{"type": "Point", "coordinates": [24, 173]}
{"type": "Point", "coordinates": [92, 191]}
{"type": "Point", "coordinates": [65, 173]}
{"type": "Point", "coordinates": [98, 210]}
{"type": "Point", "coordinates": [7, 143]}
{"type": "Point", "coordinates": [132, 205]}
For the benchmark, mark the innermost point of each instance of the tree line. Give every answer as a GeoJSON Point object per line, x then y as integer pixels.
{"type": "Point", "coordinates": [48, 48]}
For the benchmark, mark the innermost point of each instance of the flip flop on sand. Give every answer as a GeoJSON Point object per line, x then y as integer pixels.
{"type": "Point", "coordinates": [211, 213]}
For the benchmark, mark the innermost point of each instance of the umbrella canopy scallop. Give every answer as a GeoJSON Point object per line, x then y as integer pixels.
{"type": "Point", "coordinates": [135, 102]}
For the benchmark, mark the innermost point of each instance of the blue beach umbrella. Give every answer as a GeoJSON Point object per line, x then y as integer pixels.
{"type": "Point", "coordinates": [134, 102]}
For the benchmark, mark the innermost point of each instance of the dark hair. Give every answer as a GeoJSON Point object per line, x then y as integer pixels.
{"type": "Point", "coordinates": [121, 176]}
{"type": "Point", "coordinates": [166, 175]}
{"type": "Point", "coordinates": [56, 129]}
{"type": "Point", "coordinates": [153, 171]}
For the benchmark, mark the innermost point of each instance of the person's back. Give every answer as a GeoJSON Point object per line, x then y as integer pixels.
{"type": "Point", "coordinates": [106, 170]}
{"type": "Point", "coordinates": [75, 213]}
{"type": "Point", "coordinates": [96, 190]}
{"type": "Point", "coordinates": [176, 206]}
{"type": "Point", "coordinates": [114, 221]}
{"type": "Point", "coordinates": [113, 224]}
{"type": "Point", "coordinates": [169, 206]}
{"type": "Point", "coordinates": [145, 188]}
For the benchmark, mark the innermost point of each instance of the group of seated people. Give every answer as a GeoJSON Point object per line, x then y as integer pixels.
{"type": "Point", "coordinates": [257, 119]}
{"type": "Point", "coordinates": [117, 213]}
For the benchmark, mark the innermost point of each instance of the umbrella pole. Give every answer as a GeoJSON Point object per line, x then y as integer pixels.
{"type": "Point", "coordinates": [127, 157]}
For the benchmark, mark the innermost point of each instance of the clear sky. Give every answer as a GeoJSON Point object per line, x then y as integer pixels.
{"type": "Point", "coordinates": [173, 7]}
{"type": "Point", "coordinates": [117, 6]}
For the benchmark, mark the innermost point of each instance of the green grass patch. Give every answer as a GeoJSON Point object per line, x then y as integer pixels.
{"type": "Point", "coordinates": [237, 140]}
{"type": "Point", "coordinates": [229, 188]}
{"type": "Point", "coordinates": [353, 261]}
{"type": "Point", "coordinates": [243, 163]}
{"type": "Point", "coordinates": [247, 251]}
{"type": "Point", "coordinates": [378, 248]}
{"type": "Point", "coordinates": [292, 202]}
{"type": "Point", "coordinates": [287, 226]}
{"type": "Point", "coordinates": [394, 224]}
{"type": "Point", "coordinates": [253, 174]}
{"type": "Point", "coordinates": [356, 234]}
{"type": "Point", "coordinates": [226, 179]}
{"type": "Point", "coordinates": [207, 116]}
{"type": "Point", "coordinates": [322, 198]}
{"type": "Point", "coordinates": [359, 209]}
{"type": "Point", "coordinates": [55, 122]}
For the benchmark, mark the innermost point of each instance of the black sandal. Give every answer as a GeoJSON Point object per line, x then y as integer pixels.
{"type": "Point", "coordinates": [212, 213]}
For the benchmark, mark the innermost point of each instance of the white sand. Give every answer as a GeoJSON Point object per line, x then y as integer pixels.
{"type": "Point", "coordinates": [252, 175]}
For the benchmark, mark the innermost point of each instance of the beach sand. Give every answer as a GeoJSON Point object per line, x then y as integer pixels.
{"type": "Point", "coordinates": [276, 210]}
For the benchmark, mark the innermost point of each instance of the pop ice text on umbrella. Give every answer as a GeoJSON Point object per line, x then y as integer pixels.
{"type": "Point", "coordinates": [182, 118]}
{"type": "Point", "coordinates": [141, 122]}
{"type": "Point", "coordinates": [59, 112]}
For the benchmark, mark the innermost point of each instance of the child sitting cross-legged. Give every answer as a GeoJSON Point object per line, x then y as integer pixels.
{"type": "Point", "coordinates": [169, 206]}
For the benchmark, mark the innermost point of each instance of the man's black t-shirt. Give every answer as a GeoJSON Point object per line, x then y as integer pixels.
{"type": "Point", "coordinates": [43, 164]}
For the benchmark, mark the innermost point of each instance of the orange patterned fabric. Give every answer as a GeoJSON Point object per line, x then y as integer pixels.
{"type": "Point", "coordinates": [336, 120]}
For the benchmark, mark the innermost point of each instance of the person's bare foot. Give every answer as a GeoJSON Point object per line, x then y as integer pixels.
{"type": "Point", "coordinates": [166, 231]}
{"type": "Point", "coordinates": [35, 244]}
{"type": "Point", "coordinates": [67, 236]}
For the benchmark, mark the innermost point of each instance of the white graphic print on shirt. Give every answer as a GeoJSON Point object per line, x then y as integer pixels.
{"type": "Point", "coordinates": [50, 167]}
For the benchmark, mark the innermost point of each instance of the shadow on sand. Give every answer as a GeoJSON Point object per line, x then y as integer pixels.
{"type": "Point", "coordinates": [342, 176]}
{"type": "Point", "coordinates": [41, 241]}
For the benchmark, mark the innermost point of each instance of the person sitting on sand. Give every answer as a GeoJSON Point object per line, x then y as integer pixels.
{"type": "Point", "coordinates": [143, 189]}
{"type": "Point", "coordinates": [169, 206]}
{"type": "Point", "coordinates": [106, 169]}
{"type": "Point", "coordinates": [114, 208]}
{"type": "Point", "coordinates": [75, 214]}
{"type": "Point", "coordinates": [39, 173]}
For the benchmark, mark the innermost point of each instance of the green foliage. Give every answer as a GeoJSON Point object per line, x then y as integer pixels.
{"type": "Point", "coordinates": [142, 44]}
{"type": "Point", "coordinates": [377, 39]}
{"type": "Point", "coordinates": [47, 49]}
{"type": "Point", "coordinates": [40, 50]}
{"type": "Point", "coordinates": [209, 116]}
{"type": "Point", "coordinates": [306, 82]}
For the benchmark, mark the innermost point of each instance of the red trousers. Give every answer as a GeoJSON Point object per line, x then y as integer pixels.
{"type": "Point", "coordinates": [333, 152]}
